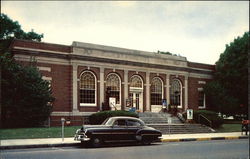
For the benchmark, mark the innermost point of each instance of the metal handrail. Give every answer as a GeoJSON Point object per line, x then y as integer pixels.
{"type": "Point", "coordinates": [210, 122]}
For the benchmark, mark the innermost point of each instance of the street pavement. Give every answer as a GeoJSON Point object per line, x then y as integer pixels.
{"type": "Point", "coordinates": [58, 142]}
{"type": "Point", "coordinates": [217, 149]}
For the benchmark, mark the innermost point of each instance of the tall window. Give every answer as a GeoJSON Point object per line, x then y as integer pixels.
{"type": "Point", "coordinates": [175, 93]}
{"type": "Point", "coordinates": [114, 83]}
{"type": "Point", "coordinates": [136, 81]}
{"type": "Point", "coordinates": [156, 91]}
{"type": "Point", "coordinates": [201, 99]}
{"type": "Point", "coordinates": [87, 88]}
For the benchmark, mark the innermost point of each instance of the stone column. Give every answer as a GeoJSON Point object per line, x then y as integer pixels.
{"type": "Point", "coordinates": [74, 74]}
{"type": "Point", "coordinates": [101, 95]}
{"type": "Point", "coordinates": [125, 87]}
{"type": "Point", "coordinates": [167, 90]}
{"type": "Point", "coordinates": [147, 92]}
{"type": "Point", "coordinates": [186, 93]}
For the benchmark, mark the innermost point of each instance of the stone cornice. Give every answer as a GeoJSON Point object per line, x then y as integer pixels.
{"type": "Point", "coordinates": [111, 61]}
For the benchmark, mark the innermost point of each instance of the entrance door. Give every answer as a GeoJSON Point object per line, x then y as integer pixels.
{"type": "Point", "coordinates": [136, 98]}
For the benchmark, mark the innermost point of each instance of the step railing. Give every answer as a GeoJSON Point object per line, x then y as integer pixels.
{"type": "Point", "coordinates": [203, 120]}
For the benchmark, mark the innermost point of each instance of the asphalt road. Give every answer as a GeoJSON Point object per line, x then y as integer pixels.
{"type": "Point", "coordinates": [216, 149]}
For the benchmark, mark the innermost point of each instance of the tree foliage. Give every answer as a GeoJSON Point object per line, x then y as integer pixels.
{"type": "Point", "coordinates": [12, 29]}
{"type": "Point", "coordinates": [25, 97]}
{"type": "Point", "coordinates": [228, 92]}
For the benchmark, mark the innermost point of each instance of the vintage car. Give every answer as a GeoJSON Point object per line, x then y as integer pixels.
{"type": "Point", "coordinates": [118, 129]}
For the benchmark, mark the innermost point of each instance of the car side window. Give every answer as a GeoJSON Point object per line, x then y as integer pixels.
{"type": "Point", "coordinates": [120, 122]}
{"type": "Point", "coordinates": [133, 123]}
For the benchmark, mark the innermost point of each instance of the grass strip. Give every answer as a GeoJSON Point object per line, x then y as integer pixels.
{"type": "Point", "coordinates": [31, 133]}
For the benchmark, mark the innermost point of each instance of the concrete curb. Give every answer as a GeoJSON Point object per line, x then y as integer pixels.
{"type": "Point", "coordinates": [37, 146]}
{"type": "Point", "coordinates": [204, 139]}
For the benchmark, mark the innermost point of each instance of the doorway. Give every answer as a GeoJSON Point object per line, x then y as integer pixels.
{"type": "Point", "coordinates": [137, 100]}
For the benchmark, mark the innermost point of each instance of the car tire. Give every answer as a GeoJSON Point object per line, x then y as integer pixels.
{"type": "Point", "coordinates": [146, 141]}
{"type": "Point", "coordinates": [96, 142]}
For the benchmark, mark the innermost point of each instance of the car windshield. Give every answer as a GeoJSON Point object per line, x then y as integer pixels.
{"type": "Point", "coordinates": [108, 121]}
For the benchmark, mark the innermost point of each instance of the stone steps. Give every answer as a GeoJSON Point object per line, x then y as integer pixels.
{"type": "Point", "coordinates": [158, 118]}
{"type": "Point", "coordinates": [182, 128]}
{"type": "Point", "coordinates": [160, 121]}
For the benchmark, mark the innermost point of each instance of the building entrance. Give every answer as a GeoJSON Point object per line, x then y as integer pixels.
{"type": "Point", "coordinates": [137, 100]}
{"type": "Point", "coordinates": [136, 92]}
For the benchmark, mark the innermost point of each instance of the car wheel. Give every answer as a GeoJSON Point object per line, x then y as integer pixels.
{"type": "Point", "coordinates": [96, 142]}
{"type": "Point", "coordinates": [146, 141]}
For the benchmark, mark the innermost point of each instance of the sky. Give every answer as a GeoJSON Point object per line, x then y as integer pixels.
{"type": "Point", "coordinates": [197, 30]}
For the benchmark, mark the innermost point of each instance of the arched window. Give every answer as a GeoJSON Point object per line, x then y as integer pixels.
{"type": "Point", "coordinates": [175, 93]}
{"type": "Point", "coordinates": [87, 89]}
{"type": "Point", "coordinates": [113, 81]}
{"type": "Point", "coordinates": [156, 91]}
{"type": "Point", "coordinates": [136, 82]}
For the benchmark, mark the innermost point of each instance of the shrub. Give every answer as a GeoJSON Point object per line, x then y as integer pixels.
{"type": "Point", "coordinates": [99, 117]}
{"type": "Point", "coordinates": [216, 121]}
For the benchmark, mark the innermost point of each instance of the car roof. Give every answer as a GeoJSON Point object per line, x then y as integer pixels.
{"type": "Point", "coordinates": [124, 117]}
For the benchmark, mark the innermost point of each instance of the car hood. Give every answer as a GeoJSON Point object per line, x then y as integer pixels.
{"type": "Point", "coordinates": [84, 127]}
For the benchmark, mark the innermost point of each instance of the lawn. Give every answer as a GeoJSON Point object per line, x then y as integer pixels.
{"type": "Point", "coordinates": [30, 133]}
{"type": "Point", "coordinates": [229, 128]}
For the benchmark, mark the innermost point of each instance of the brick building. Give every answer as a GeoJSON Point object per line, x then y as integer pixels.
{"type": "Point", "coordinates": [81, 73]}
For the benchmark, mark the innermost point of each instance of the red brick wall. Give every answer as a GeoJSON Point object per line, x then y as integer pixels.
{"type": "Point", "coordinates": [193, 86]}
{"type": "Point", "coordinates": [61, 84]}
{"type": "Point", "coordinates": [202, 66]}
{"type": "Point", "coordinates": [61, 87]}
{"type": "Point", "coordinates": [42, 46]}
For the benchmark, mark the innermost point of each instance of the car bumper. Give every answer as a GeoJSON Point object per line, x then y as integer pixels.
{"type": "Point", "coordinates": [81, 137]}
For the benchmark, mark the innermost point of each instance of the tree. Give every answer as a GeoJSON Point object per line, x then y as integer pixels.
{"type": "Point", "coordinates": [228, 92]}
{"type": "Point", "coordinates": [25, 97]}
{"type": "Point", "coordinates": [12, 29]}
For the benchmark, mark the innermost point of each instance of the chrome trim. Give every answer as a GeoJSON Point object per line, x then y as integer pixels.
{"type": "Point", "coordinates": [149, 134]}
{"type": "Point", "coordinates": [81, 137]}
{"type": "Point", "coordinates": [112, 133]}
{"type": "Point", "coordinates": [120, 141]}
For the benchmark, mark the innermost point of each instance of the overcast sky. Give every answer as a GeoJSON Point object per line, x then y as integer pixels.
{"type": "Point", "coordinates": [197, 30]}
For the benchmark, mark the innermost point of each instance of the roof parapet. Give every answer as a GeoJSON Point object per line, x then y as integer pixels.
{"type": "Point", "coordinates": [126, 51]}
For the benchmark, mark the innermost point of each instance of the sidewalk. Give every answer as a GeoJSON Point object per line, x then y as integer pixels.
{"type": "Point", "coordinates": [57, 142]}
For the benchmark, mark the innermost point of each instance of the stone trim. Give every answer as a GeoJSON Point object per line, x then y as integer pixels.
{"type": "Point", "coordinates": [88, 46]}
{"type": "Point", "coordinates": [113, 61]}
{"type": "Point", "coordinates": [71, 113]}
{"type": "Point", "coordinates": [39, 50]}
{"type": "Point", "coordinates": [41, 68]}
{"type": "Point", "coordinates": [201, 82]}
{"type": "Point", "coordinates": [47, 60]}
{"type": "Point", "coordinates": [47, 78]}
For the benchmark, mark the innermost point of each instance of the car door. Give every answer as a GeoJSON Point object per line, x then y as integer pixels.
{"type": "Point", "coordinates": [133, 126]}
{"type": "Point", "coordinates": [119, 130]}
